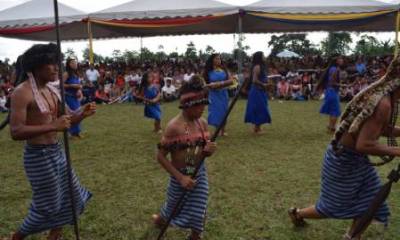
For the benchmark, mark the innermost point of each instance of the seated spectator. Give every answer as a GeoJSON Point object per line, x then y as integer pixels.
{"type": "Point", "coordinates": [169, 91]}
{"type": "Point", "coordinates": [101, 96]}
{"type": "Point", "coordinates": [3, 101]}
{"type": "Point", "coordinates": [88, 92]}
{"type": "Point", "coordinates": [296, 89]}
{"type": "Point", "coordinates": [283, 89]}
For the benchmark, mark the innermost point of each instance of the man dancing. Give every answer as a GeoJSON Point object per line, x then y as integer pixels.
{"type": "Point", "coordinates": [35, 117]}
{"type": "Point", "coordinates": [349, 182]}
{"type": "Point", "coordinates": [186, 139]}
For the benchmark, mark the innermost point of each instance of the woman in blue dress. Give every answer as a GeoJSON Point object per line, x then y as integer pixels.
{"type": "Point", "coordinates": [150, 95]}
{"type": "Point", "coordinates": [330, 83]}
{"type": "Point", "coordinates": [257, 111]}
{"type": "Point", "coordinates": [217, 79]}
{"type": "Point", "coordinates": [73, 93]}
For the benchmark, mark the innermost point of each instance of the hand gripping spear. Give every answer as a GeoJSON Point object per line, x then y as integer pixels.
{"type": "Point", "coordinates": [376, 203]}
{"type": "Point", "coordinates": [214, 137]}
{"type": "Point", "coordinates": [66, 142]}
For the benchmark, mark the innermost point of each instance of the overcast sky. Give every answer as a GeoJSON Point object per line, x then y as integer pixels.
{"type": "Point", "coordinates": [11, 48]}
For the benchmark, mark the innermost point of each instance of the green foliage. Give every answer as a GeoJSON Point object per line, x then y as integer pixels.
{"type": "Point", "coordinates": [297, 43]}
{"type": "Point", "coordinates": [370, 46]}
{"type": "Point", "coordinates": [191, 51]}
{"type": "Point", "coordinates": [336, 43]}
{"type": "Point", "coordinates": [96, 57]}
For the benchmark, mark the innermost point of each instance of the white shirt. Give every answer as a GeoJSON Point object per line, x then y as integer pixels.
{"type": "Point", "coordinates": [169, 90]}
{"type": "Point", "coordinates": [3, 101]}
{"type": "Point", "coordinates": [187, 77]}
{"type": "Point", "coordinates": [92, 75]}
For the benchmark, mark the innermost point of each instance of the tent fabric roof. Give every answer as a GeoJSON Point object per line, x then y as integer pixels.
{"type": "Point", "coordinates": [320, 6]}
{"type": "Point", "coordinates": [140, 9]}
{"type": "Point", "coordinates": [38, 12]}
{"type": "Point", "coordinates": [34, 20]}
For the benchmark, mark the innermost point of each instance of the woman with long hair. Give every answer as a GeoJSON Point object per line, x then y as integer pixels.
{"type": "Point", "coordinates": [330, 84]}
{"type": "Point", "coordinates": [150, 95]}
{"type": "Point", "coordinates": [73, 93]}
{"type": "Point", "coordinates": [257, 111]}
{"type": "Point", "coordinates": [217, 79]}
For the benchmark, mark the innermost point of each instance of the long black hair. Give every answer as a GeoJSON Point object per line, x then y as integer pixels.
{"type": "Point", "coordinates": [144, 83]}
{"type": "Point", "coordinates": [33, 58]}
{"type": "Point", "coordinates": [324, 77]}
{"type": "Point", "coordinates": [258, 59]}
{"type": "Point", "coordinates": [210, 66]}
{"type": "Point", "coordinates": [71, 72]}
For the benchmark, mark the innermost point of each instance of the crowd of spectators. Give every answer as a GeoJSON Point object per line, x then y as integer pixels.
{"type": "Point", "coordinates": [290, 79]}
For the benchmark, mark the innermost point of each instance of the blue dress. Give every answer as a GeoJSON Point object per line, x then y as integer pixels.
{"type": "Point", "coordinates": [152, 110]}
{"type": "Point", "coordinates": [218, 98]}
{"type": "Point", "coordinates": [331, 104]}
{"type": "Point", "coordinates": [73, 102]}
{"type": "Point", "coordinates": [257, 111]}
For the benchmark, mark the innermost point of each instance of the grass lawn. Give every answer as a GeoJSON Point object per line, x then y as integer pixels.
{"type": "Point", "coordinates": [253, 180]}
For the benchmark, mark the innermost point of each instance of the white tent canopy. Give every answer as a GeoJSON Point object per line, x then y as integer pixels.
{"type": "Point", "coordinates": [287, 54]}
{"type": "Point", "coordinates": [319, 15]}
{"type": "Point", "coordinates": [38, 12]}
{"type": "Point", "coordinates": [151, 17]}
{"type": "Point", "coordinates": [139, 9]}
{"type": "Point", "coordinates": [34, 20]}
{"type": "Point", "coordinates": [320, 6]}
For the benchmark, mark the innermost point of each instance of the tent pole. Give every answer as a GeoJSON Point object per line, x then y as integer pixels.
{"type": "Point", "coordinates": [91, 55]}
{"type": "Point", "coordinates": [240, 34]}
{"type": "Point", "coordinates": [65, 133]}
{"type": "Point", "coordinates": [141, 49]}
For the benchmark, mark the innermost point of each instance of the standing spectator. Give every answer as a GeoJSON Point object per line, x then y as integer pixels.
{"type": "Point", "coordinates": [73, 93]}
{"type": "Point", "coordinates": [217, 79]}
{"type": "Point", "coordinates": [93, 75]}
{"type": "Point", "coordinates": [257, 111]}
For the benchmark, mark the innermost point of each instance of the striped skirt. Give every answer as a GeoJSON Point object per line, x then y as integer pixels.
{"type": "Point", "coordinates": [193, 209]}
{"type": "Point", "coordinates": [348, 185]}
{"type": "Point", "coordinates": [46, 169]}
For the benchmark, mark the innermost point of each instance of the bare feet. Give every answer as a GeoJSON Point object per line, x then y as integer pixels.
{"type": "Point", "coordinates": [55, 234]}
{"type": "Point", "coordinates": [194, 236]}
{"type": "Point", "coordinates": [158, 221]}
{"type": "Point", "coordinates": [296, 219]}
{"type": "Point", "coordinates": [17, 236]}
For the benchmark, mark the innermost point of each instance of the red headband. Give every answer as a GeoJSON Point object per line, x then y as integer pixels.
{"type": "Point", "coordinates": [190, 99]}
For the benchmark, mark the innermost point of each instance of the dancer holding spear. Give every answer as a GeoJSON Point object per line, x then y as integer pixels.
{"type": "Point", "coordinates": [186, 139]}
{"type": "Point", "coordinates": [349, 182]}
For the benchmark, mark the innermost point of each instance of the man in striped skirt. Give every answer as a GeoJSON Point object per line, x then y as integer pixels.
{"type": "Point", "coordinates": [186, 140]}
{"type": "Point", "coordinates": [349, 182]}
{"type": "Point", "coordinates": [35, 118]}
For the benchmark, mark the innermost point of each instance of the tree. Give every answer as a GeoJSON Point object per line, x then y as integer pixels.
{"type": "Point", "coordinates": [174, 55]}
{"type": "Point", "coordinates": [96, 58]}
{"type": "Point", "coordinates": [191, 51]}
{"type": "Point", "coordinates": [209, 50]}
{"type": "Point", "coordinates": [297, 43]}
{"type": "Point", "coordinates": [69, 53]}
{"type": "Point", "coordinates": [370, 46]}
{"type": "Point", "coordinates": [146, 54]}
{"type": "Point", "coordinates": [242, 47]}
{"type": "Point", "coordinates": [130, 56]}
{"type": "Point", "coordinates": [337, 43]}
{"type": "Point", "coordinates": [117, 55]}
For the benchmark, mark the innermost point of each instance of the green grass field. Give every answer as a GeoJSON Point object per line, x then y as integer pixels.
{"type": "Point", "coordinates": [253, 179]}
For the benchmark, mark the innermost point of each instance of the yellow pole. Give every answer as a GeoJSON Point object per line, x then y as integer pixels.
{"type": "Point", "coordinates": [396, 47]}
{"type": "Point", "coordinates": [91, 55]}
